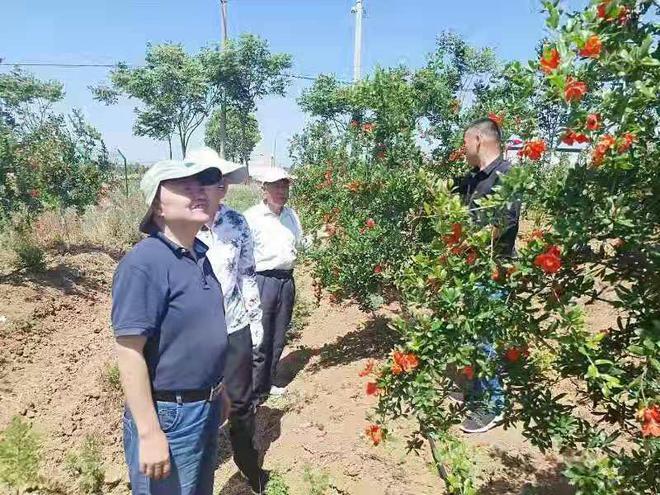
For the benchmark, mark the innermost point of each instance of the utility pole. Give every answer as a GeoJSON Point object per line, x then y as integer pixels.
{"type": "Point", "coordinates": [358, 10]}
{"type": "Point", "coordinates": [223, 105]}
{"type": "Point", "coordinates": [125, 172]}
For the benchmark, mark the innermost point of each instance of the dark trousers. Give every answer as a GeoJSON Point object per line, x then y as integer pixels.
{"type": "Point", "coordinates": [238, 380]}
{"type": "Point", "coordinates": [277, 291]}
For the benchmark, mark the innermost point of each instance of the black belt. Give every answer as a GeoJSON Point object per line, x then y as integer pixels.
{"type": "Point", "coordinates": [277, 273]}
{"type": "Point", "coordinates": [208, 394]}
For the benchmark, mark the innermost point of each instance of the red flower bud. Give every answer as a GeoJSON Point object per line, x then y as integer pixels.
{"type": "Point", "coordinates": [574, 90]}
{"type": "Point", "coordinates": [375, 433]}
{"type": "Point", "coordinates": [549, 60]}
{"type": "Point", "coordinates": [592, 47]}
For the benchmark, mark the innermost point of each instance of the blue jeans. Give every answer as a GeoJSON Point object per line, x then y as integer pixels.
{"type": "Point", "coordinates": [192, 433]}
{"type": "Point", "coordinates": [488, 390]}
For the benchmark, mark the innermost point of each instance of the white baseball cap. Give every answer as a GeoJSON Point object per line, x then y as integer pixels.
{"type": "Point", "coordinates": [169, 170]}
{"type": "Point", "coordinates": [270, 174]}
{"type": "Point", "coordinates": [232, 173]}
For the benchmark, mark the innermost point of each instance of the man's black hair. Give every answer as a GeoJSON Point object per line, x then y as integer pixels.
{"type": "Point", "coordinates": [488, 127]}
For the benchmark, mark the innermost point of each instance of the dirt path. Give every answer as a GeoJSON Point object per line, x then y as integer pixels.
{"type": "Point", "coordinates": [56, 350]}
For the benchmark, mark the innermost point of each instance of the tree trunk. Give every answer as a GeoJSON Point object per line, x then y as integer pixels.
{"type": "Point", "coordinates": [169, 143]}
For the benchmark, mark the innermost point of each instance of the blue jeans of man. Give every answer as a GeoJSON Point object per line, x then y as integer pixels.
{"type": "Point", "coordinates": [489, 389]}
{"type": "Point", "coordinates": [192, 433]}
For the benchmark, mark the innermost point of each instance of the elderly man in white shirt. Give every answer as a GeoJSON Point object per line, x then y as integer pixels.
{"type": "Point", "coordinates": [277, 234]}
{"type": "Point", "coordinates": [231, 256]}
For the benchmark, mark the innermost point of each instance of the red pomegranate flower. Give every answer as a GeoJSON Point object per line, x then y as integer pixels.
{"type": "Point", "coordinates": [574, 90]}
{"type": "Point", "coordinates": [571, 137]}
{"type": "Point", "coordinates": [605, 143]}
{"type": "Point", "coordinates": [455, 237]}
{"type": "Point", "coordinates": [628, 139]}
{"type": "Point", "coordinates": [533, 149]}
{"type": "Point", "coordinates": [550, 261]}
{"type": "Point", "coordinates": [593, 122]}
{"type": "Point", "coordinates": [370, 223]}
{"type": "Point", "coordinates": [378, 269]}
{"type": "Point", "coordinates": [513, 354]}
{"type": "Point", "coordinates": [495, 274]}
{"type": "Point", "coordinates": [372, 388]}
{"type": "Point", "coordinates": [592, 47]}
{"type": "Point", "coordinates": [375, 433]}
{"type": "Point", "coordinates": [368, 368]}
{"type": "Point", "coordinates": [549, 60]}
{"type": "Point", "coordinates": [468, 371]}
{"type": "Point", "coordinates": [471, 256]}
{"type": "Point", "coordinates": [404, 362]}
{"type": "Point", "coordinates": [622, 13]}
{"type": "Point", "coordinates": [650, 419]}
{"type": "Point", "coordinates": [498, 119]}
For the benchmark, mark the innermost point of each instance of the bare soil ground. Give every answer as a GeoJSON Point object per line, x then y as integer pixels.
{"type": "Point", "coordinates": [56, 353]}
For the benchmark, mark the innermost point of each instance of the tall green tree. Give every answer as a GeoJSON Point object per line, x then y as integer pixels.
{"type": "Point", "coordinates": [238, 144]}
{"type": "Point", "coordinates": [174, 88]}
{"type": "Point", "coordinates": [248, 71]}
{"type": "Point", "coordinates": [25, 101]}
{"type": "Point", "coordinates": [46, 159]}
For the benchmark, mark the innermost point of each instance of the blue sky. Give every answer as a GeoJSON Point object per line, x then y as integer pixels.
{"type": "Point", "coordinates": [317, 33]}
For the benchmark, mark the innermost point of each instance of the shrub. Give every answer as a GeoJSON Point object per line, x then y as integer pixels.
{"type": "Point", "coordinates": [277, 485]}
{"type": "Point", "coordinates": [318, 482]}
{"type": "Point", "coordinates": [388, 223]}
{"type": "Point", "coordinates": [86, 465]}
{"type": "Point", "coordinates": [111, 379]}
{"type": "Point", "coordinates": [20, 455]}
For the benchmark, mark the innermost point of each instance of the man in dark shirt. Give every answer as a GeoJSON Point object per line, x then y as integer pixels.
{"type": "Point", "coordinates": [483, 151]}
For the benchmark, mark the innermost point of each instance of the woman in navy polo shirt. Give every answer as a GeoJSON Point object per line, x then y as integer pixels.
{"type": "Point", "coordinates": [171, 337]}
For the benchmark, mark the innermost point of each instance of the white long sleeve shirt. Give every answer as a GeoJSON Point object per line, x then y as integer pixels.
{"type": "Point", "coordinates": [231, 256]}
{"type": "Point", "coordinates": [277, 238]}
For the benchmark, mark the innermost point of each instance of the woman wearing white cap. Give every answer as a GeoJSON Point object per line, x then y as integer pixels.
{"type": "Point", "coordinates": [171, 337]}
{"type": "Point", "coordinates": [277, 235]}
{"type": "Point", "coordinates": [231, 255]}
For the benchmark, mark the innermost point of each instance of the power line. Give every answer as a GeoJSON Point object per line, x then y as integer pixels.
{"type": "Point", "coordinates": [112, 66]}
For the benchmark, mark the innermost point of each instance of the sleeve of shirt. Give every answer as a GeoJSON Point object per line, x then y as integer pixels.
{"type": "Point", "coordinates": [247, 282]}
{"type": "Point", "coordinates": [138, 303]}
{"type": "Point", "coordinates": [302, 242]}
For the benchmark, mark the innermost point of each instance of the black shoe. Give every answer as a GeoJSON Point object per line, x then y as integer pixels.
{"type": "Point", "coordinates": [479, 421]}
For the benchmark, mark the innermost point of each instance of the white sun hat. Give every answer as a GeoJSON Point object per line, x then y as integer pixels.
{"type": "Point", "coordinates": [270, 174]}
{"type": "Point", "coordinates": [233, 173]}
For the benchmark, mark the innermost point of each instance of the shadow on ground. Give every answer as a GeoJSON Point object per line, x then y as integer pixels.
{"type": "Point", "coordinates": [269, 429]}
{"type": "Point", "coordinates": [292, 364]}
{"type": "Point", "coordinates": [374, 340]}
{"type": "Point", "coordinates": [519, 470]}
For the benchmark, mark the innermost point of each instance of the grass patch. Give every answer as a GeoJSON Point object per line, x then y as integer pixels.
{"type": "Point", "coordinates": [302, 310]}
{"type": "Point", "coordinates": [277, 485]}
{"type": "Point", "coordinates": [20, 455]}
{"type": "Point", "coordinates": [111, 380]}
{"type": "Point", "coordinates": [318, 482]}
{"type": "Point", "coordinates": [86, 465]}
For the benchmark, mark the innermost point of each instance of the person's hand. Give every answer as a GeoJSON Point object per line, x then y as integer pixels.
{"type": "Point", "coordinates": [155, 455]}
{"type": "Point", "coordinates": [225, 405]}
{"type": "Point", "coordinates": [257, 333]}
